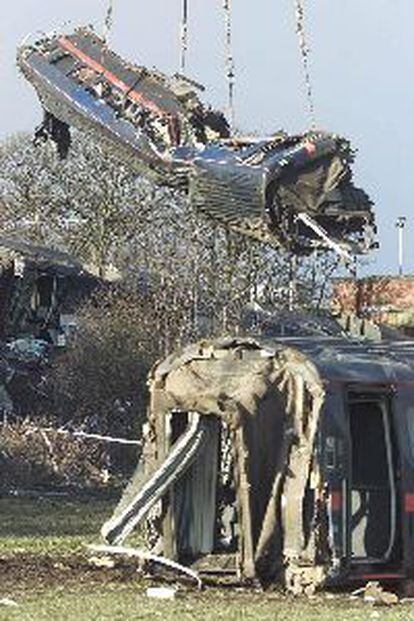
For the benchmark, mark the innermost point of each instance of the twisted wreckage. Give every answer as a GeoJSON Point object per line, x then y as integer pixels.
{"type": "Point", "coordinates": [295, 192]}
{"type": "Point", "coordinates": [278, 459]}
{"type": "Point", "coordinates": [286, 459]}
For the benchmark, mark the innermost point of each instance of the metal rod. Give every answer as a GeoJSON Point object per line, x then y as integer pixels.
{"type": "Point", "coordinates": [322, 234]}
{"type": "Point", "coordinates": [83, 434]}
{"type": "Point", "coordinates": [147, 556]}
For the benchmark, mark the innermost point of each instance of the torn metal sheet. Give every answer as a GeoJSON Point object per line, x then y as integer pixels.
{"type": "Point", "coordinates": [147, 556]}
{"type": "Point", "coordinates": [304, 495]}
{"type": "Point", "coordinates": [261, 188]}
{"type": "Point", "coordinates": [182, 455]}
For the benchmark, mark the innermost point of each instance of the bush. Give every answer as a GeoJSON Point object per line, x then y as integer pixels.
{"type": "Point", "coordinates": [30, 458]}
{"type": "Point", "coordinates": [100, 382]}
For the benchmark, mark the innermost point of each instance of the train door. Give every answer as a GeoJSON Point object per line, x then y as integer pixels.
{"type": "Point", "coordinates": [373, 491]}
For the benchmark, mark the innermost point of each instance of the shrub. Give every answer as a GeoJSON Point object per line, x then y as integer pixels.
{"type": "Point", "coordinates": [30, 458]}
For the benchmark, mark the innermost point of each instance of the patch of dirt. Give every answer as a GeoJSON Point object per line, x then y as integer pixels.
{"type": "Point", "coordinates": [25, 571]}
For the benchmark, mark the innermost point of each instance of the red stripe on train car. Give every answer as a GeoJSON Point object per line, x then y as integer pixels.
{"type": "Point", "coordinates": [336, 500]}
{"type": "Point", "coordinates": [409, 502]}
{"type": "Point", "coordinates": [377, 576]}
{"type": "Point", "coordinates": [111, 77]}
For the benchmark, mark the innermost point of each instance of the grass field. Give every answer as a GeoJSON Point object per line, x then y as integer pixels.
{"type": "Point", "coordinates": [132, 603]}
{"type": "Point", "coordinates": [45, 570]}
{"type": "Point", "coordinates": [50, 525]}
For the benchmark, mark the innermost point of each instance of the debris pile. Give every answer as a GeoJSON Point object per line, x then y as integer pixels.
{"type": "Point", "coordinates": [374, 593]}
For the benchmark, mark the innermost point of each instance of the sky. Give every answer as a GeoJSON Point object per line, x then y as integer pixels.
{"type": "Point", "coordinates": [361, 60]}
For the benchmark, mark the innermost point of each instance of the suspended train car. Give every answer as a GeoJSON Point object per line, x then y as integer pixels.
{"type": "Point", "coordinates": [289, 191]}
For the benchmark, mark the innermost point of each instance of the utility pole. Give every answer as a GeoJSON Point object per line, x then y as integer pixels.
{"type": "Point", "coordinates": [400, 226]}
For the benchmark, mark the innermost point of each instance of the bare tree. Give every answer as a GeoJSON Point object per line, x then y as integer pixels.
{"type": "Point", "coordinates": [87, 204]}
{"type": "Point", "coordinates": [107, 216]}
{"type": "Point", "coordinates": [184, 276]}
{"type": "Point", "coordinates": [30, 190]}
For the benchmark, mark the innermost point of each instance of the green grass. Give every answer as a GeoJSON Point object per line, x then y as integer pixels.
{"type": "Point", "coordinates": [50, 526]}
{"type": "Point", "coordinates": [131, 603]}
{"type": "Point", "coordinates": [44, 568]}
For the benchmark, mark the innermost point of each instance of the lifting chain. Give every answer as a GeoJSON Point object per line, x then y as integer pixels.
{"type": "Point", "coordinates": [304, 50]}
{"type": "Point", "coordinates": [230, 69]}
{"type": "Point", "coordinates": [108, 23]}
{"type": "Point", "coordinates": [184, 36]}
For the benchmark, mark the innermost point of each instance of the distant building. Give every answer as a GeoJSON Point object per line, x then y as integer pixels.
{"type": "Point", "coordinates": [387, 300]}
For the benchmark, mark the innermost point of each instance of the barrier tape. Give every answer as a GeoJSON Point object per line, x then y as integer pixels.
{"type": "Point", "coordinates": [82, 434]}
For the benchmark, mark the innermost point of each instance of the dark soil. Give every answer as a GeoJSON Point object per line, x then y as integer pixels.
{"type": "Point", "coordinates": [26, 571]}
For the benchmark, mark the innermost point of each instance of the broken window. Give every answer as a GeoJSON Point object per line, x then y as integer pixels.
{"type": "Point", "coordinates": [373, 493]}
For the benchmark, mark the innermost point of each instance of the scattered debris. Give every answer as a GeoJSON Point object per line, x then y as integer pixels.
{"type": "Point", "coordinates": [6, 601]}
{"type": "Point", "coordinates": [102, 561]}
{"type": "Point", "coordinates": [144, 555]}
{"type": "Point", "coordinates": [374, 593]}
{"type": "Point", "coordinates": [161, 592]}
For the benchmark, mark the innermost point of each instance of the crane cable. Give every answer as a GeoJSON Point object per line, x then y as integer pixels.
{"type": "Point", "coordinates": [304, 50]}
{"type": "Point", "coordinates": [230, 67]}
{"type": "Point", "coordinates": [184, 36]}
{"type": "Point", "coordinates": [108, 22]}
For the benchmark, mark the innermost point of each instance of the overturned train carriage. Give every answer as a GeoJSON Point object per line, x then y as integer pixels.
{"type": "Point", "coordinates": [289, 191]}
{"type": "Point", "coordinates": [290, 460]}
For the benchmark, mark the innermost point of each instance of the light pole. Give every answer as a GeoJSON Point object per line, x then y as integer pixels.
{"type": "Point", "coordinates": [400, 225]}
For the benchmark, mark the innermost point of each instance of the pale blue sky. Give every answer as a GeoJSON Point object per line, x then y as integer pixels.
{"type": "Point", "coordinates": [362, 54]}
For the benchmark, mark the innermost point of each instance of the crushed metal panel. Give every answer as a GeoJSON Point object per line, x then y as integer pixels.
{"type": "Point", "coordinates": [158, 125]}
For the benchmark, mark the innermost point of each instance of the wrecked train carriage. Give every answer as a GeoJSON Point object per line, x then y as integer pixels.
{"type": "Point", "coordinates": [290, 191]}
{"type": "Point", "coordinates": [139, 114]}
{"type": "Point", "coordinates": [287, 460]}
{"type": "Point", "coordinates": [40, 290]}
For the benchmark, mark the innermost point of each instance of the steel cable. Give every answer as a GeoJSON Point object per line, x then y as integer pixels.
{"type": "Point", "coordinates": [300, 15]}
